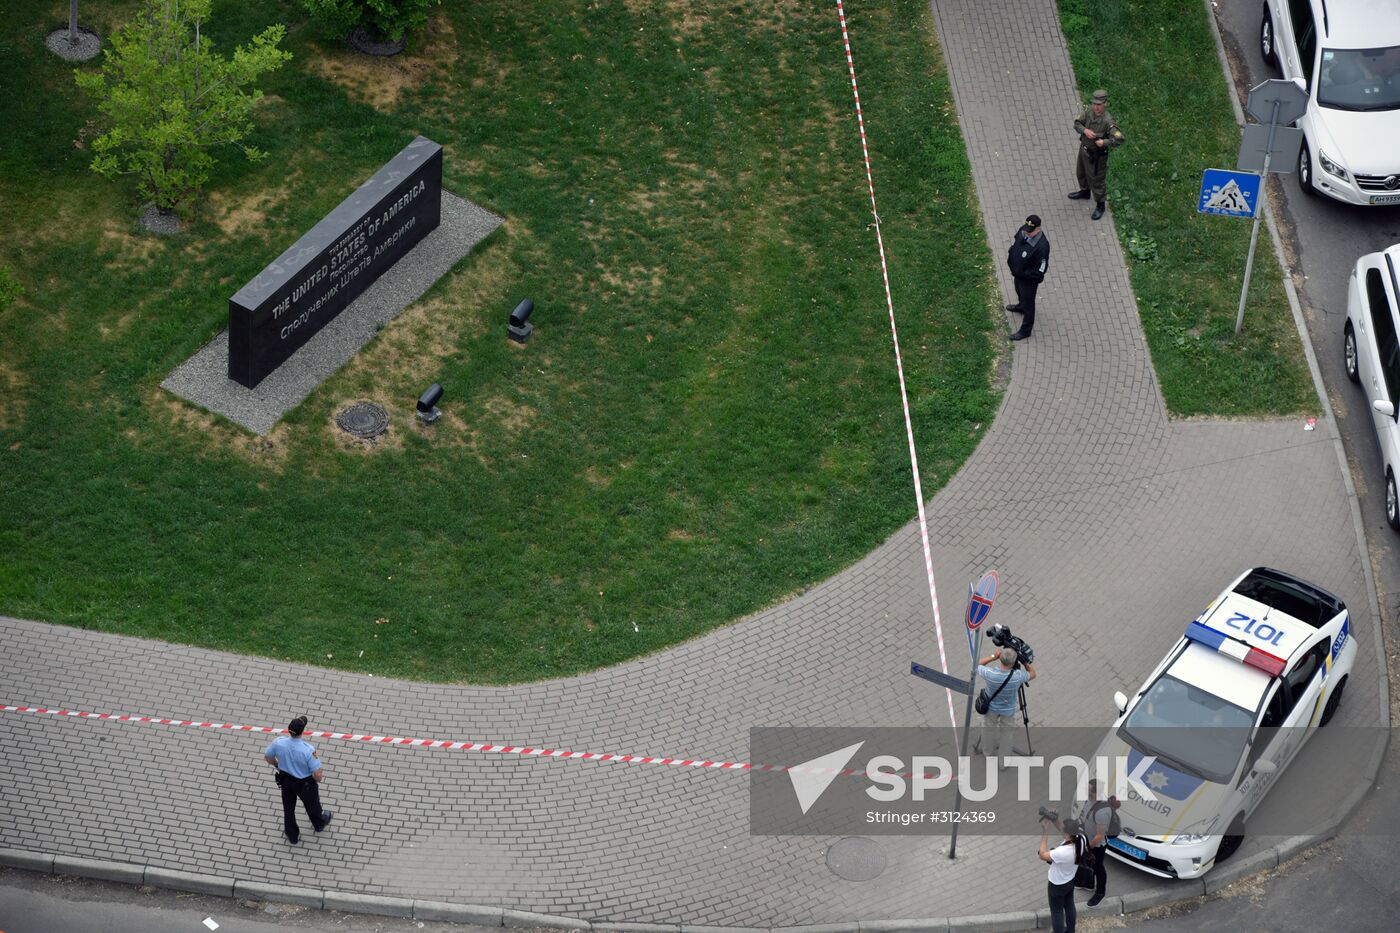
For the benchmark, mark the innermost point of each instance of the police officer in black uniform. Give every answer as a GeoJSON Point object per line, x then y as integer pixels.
{"type": "Point", "coordinates": [1028, 259]}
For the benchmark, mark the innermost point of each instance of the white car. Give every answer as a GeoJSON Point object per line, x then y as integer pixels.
{"type": "Point", "coordinates": [1347, 53]}
{"type": "Point", "coordinates": [1222, 716]}
{"type": "Point", "coordinates": [1372, 355]}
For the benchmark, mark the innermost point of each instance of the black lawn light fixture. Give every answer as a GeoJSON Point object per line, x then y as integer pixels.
{"type": "Point", "coordinates": [427, 404]}
{"type": "Point", "coordinates": [520, 327]}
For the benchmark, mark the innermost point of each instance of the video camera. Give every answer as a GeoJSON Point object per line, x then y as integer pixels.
{"type": "Point", "coordinates": [1001, 637]}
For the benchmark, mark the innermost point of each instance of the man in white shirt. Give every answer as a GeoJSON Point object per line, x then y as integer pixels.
{"type": "Point", "coordinates": [1064, 864]}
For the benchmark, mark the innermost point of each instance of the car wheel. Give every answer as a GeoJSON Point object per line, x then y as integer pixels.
{"type": "Point", "coordinates": [1334, 701]}
{"type": "Point", "coordinates": [1305, 180]}
{"type": "Point", "coordinates": [1349, 351]}
{"type": "Point", "coordinates": [1231, 841]}
{"type": "Point", "coordinates": [1266, 38]}
{"type": "Point", "coordinates": [1392, 502]}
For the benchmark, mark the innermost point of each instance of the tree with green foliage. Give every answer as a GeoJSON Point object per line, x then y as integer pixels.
{"type": "Point", "coordinates": [380, 19]}
{"type": "Point", "coordinates": [169, 99]}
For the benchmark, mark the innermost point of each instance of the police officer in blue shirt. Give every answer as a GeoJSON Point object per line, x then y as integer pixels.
{"type": "Point", "coordinates": [298, 773]}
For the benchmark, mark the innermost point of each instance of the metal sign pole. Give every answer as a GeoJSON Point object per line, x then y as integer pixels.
{"type": "Point", "coordinates": [962, 753]}
{"type": "Point", "coordinates": [1258, 217]}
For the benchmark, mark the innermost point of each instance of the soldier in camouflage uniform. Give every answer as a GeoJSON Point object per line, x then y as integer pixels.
{"type": "Point", "coordinates": [1097, 135]}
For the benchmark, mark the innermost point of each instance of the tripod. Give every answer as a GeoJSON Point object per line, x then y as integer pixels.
{"type": "Point", "coordinates": [1025, 716]}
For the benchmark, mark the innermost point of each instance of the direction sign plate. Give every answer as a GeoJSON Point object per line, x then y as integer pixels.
{"type": "Point", "coordinates": [956, 684]}
{"type": "Point", "coordinates": [1233, 194]}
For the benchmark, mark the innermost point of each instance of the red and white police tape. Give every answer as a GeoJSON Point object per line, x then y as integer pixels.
{"type": "Point", "coordinates": [899, 365]}
{"type": "Point", "coordinates": [404, 741]}
{"type": "Point", "coordinates": [396, 741]}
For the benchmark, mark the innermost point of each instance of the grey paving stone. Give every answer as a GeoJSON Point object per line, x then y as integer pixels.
{"type": "Point", "coordinates": [1240, 867]}
{"type": "Point", "coordinates": [926, 925]}
{"type": "Point", "coordinates": [188, 881]}
{"type": "Point", "coordinates": [368, 904]}
{"type": "Point", "coordinates": [101, 869]}
{"type": "Point", "coordinates": [279, 893]}
{"type": "Point", "coordinates": [29, 861]}
{"type": "Point", "coordinates": [457, 913]}
{"type": "Point", "coordinates": [1296, 845]}
{"type": "Point", "coordinates": [607, 927]}
{"type": "Point", "coordinates": [1110, 906]}
{"type": "Point", "coordinates": [1153, 897]}
{"type": "Point", "coordinates": [525, 918]}
{"type": "Point", "coordinates": [993, 923]}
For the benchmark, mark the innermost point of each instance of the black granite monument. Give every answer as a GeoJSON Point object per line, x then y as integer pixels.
{"type": "Point", "coordinates": [336, 260]}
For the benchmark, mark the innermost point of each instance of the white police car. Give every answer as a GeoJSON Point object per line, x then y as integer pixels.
{"type": "Point", "coordinates": [1222, 715]}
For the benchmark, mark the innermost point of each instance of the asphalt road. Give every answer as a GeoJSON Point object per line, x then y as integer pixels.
{"type": "Point", "coordinates": [1351, 883]}
{"type": "Point", "coordinates": [1324, 238]}
{"type": "Point", "coordinates": [35, 903]}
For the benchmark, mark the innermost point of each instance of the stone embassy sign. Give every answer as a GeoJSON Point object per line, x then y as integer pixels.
{"type": "Point", "coordinates": [334, 262]}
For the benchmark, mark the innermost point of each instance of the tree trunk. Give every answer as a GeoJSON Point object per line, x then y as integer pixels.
{"type": "Point", "coordinates": [73, 21]}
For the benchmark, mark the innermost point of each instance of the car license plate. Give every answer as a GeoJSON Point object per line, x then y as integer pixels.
{"type": "Point", "coordinates": [1134, 851]}
{"type": "Point", "coordinates": [1385, 199]}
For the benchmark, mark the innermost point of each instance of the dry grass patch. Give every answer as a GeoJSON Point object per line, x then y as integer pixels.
{"type": "Point", "coordinates": [637, 281]}
{"type": "Point", "coordinates": [117, 328]}
{"type": "Point", "coordinates": [133, 246]}
{"type": "Point", "coordinates": [215, 434]}
{"type": "Point", "coordinates": [237, 214]}
{"type": "Point", "coordinates": [688, 19]}
{"type": "Point", "coordinates": [428, 330]}
{"type": "Point", "coordinates": [12, 404]}
{"type": "Point", "coordinates": [513, 417]}
{"type": "Point", "coordinates": [380, 82]}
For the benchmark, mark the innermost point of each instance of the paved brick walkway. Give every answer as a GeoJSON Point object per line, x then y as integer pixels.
{"type": "Point", "coordinates": [1110, 525]}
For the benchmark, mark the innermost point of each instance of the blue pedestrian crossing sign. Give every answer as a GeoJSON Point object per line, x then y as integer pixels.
{"type": "Point", "coordinates": [1234, 194]}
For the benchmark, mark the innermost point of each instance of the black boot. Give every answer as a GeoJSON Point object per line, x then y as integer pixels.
{"type": "Point", "coordinates": [1098, 211]}
{"type": "Point", "coordinates": [1080, 195]}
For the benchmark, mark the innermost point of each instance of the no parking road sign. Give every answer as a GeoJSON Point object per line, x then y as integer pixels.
{"type": "Point", "coordinates": [1233, 194]}
{"type": "Point", "coordinates": [980, 599]}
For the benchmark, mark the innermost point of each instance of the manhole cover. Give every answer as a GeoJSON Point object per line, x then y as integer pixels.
{"type": "Point", "coordinates": [855, 859]}
{"type": "Point", "coordinates": [363, 419]}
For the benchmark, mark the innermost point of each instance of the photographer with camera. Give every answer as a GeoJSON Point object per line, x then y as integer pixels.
{"type": "Point", "coordinates": [997, 701]}
{"type": "Point", "coordinates": [1064, 861]}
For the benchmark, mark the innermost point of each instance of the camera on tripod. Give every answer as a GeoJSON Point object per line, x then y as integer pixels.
{"type": "Point", "coordinates": [1001, 637]}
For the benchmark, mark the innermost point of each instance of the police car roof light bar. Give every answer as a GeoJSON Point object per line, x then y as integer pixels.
{"type": "Point", "coordinates": [1234, 648]}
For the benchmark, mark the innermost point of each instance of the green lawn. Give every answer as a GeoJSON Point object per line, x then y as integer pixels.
{"type": "Point", "coordinates": [706, 421]}
{"type": "Point", "coordinates": [1159, 64]}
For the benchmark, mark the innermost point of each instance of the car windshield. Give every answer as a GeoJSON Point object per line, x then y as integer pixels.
{"type": "Point", "coordinates": [1360, 79]}
{"type": "Point", "coordinates": [1190, 729]}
